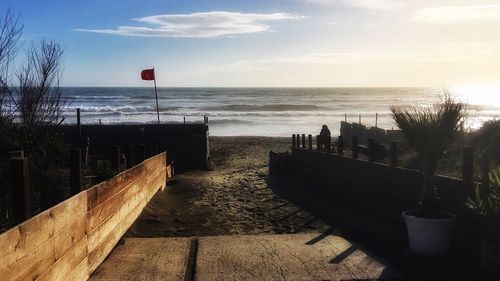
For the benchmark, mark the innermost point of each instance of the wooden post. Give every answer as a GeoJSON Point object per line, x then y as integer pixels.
{"type": "Point", "coordinates": [85, 151]}
{"type": "Point", "coordinates": [340, 145]}
{"type": "Point", "coordinates": [393, 154]}
{"type": "Point", "coordinates": [468, 169]}
{"type": "Point", "coordinates": [141, 153]}
{"type": "Point", "coordinates": [123, 162]}
{"type": "Point", "coordinates": [141, 132]}
{"type": "Point", "coordinates": [129, 154]}
{"type": "Point", "coordinates": [371, 150]}
{"type": "Point", "coordinates": [310, 141]}
{"type": "Point", "coordinates": [303, 141]}
{"type": "Point", "coordinates": [75, 170]}
{"type": "Point", "coordinates": [318, 143]}
{"type": "Point", "coordinates": [20, 187]}
{"type": "Point", "coordinates": [355, 147]}
{"type": "Point", "coordinates": [78, 124]}
{"type": "Point", "coordinates": [293, 141]}
{"type": "Point", "coordinates": [115, 157]}
{"type": "Point", "coordinates": [485, 171]}
{"type": "Point", "coordinates": [298, 140]}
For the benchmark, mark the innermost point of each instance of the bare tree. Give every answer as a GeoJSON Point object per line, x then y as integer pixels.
{"type": "Point", "coordinates": [39, 100]}
{"type": "Point", "coordinates": [10, 32]}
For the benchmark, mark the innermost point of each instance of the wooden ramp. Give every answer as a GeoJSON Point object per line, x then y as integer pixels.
{"type": "Point", "coordinates": [310, 256]}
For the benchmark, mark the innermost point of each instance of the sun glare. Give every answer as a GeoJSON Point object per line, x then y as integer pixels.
{"type": "Point", "coordinates": [484, 100]}
{"type": "Point", "coordinates": [479, 95]}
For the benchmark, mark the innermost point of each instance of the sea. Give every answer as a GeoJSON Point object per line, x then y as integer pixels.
{"type": "Point", "coordinates": [265, 111]}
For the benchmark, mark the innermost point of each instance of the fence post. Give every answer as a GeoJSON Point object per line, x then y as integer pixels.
{"type": "Point", "coordinates": [468, 169]}
{"type": "Point", "coordinates": [115, 157]}
{"type": "Point", "coordinates": [141, 153]}
{"type": "Point", "coordinates": [340, 145]}
{"type": "Point", "coordinates": [20, 187]}
{"type": "Point", "coordinates": [355, 147]}
{"type": "Point", "coordinates": [310, 141]}
{"type": "Point", "coordinates": [298, 140]}
{"type": "Point", "coordinates": [85, 152]}
{"type": "Point", "coordinates": [485, 171]}
{"type": "Point", "coordinates": [75, 170]}
{"type": "Point", "coordinates": [393, 154]}
{"type": "Point", "coordinates": [303, 141]}
{"type": "Point", "coordinates": [371, 150]}
{"type": "Point", "coordinates": [78, 125]}
{"type": "Point", "coordinates": [123, 162]}
{"type": "Point", "coordinates": [293, 140]}
{"type": "Point", "coordinates": [318, 143]}
{"type": "Point", "coordinates": [129, 154]}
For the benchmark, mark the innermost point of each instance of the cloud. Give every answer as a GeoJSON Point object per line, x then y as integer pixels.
{"type": "Point", "coordinates": [201, 25]}
{"type": "Point", "coordinates": [456, 14]}
{"type": "Point", "coordinates": [446, 54]}
{"type": "Point", "coordinates": [365, 4]}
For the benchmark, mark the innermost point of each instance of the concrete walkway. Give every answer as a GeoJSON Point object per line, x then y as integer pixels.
{"type": "Point", "coordinates": [309, 256]}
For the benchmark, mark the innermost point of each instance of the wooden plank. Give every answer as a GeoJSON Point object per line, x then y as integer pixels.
{"type": "Point", "coordinates": [99, 233]}
{"type": "Point", "coordinates": [54, 244]}
{"type": "Point", "coordinates": [157, 181]}
{"type": "Point", "coordinates": [69, 236]}
{"type": "Point", "coordinates": [101, 212]}
{"type": "Point", "coordinates": [105, 236]}
{"type": "Point", "coordinates": [35, 263]}
{"type": "Point", "coordinates": [67, 263]}
{"type": "Point", "coordinates": [26, 237]}
{"type": "Point", "coordinates": [310, 256]}
{"type": "Point", "coordinates": [103, 191]}
{"type": "Point", "coordinates": [99, 253]}
{"type": "Point", "coordinates": [147, 259]}
{"type": "Point", "coordinates": [81, 272]}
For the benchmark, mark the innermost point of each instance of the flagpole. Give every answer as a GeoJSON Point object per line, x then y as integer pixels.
{"type": "Point", "coordinates": [156, 95]}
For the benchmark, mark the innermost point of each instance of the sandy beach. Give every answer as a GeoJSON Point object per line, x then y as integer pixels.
{"type": "Point", "coordinates": [234, 198]}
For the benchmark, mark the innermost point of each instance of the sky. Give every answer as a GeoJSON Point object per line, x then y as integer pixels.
{"type": "Point", "coordinates": [263, 43]}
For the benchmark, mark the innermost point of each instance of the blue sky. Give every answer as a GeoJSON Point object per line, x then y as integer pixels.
{"type": "Point", "coordinates": [270, 43]}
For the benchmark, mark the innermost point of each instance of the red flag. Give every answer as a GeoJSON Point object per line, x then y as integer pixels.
{"type": "Point", "coordinates": [148, 74]}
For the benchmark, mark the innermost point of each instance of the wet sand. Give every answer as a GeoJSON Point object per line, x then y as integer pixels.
{"type": "Point", "coordinates": [234, 198]}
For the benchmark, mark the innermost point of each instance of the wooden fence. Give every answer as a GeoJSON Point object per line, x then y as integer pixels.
{"type": "Point", "coordinates": [384, 190]}
{"type": "Point", "coordinates": [70, 240]}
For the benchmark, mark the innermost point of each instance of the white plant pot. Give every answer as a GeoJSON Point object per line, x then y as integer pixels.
{"type": "Point", "coordinates": [429, 236]}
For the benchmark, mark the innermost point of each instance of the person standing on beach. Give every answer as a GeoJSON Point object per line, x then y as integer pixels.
{"type": "Point", "coordinates": [325, 137]}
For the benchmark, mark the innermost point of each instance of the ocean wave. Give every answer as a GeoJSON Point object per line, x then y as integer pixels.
{"type": "Point", "coordinates": [230, 122]}
{"type": "Point", "coordinates": [109, 108]}
{"type": "Point", "coordinates": [268, 107]}
{"type": "Point", "coordinates": [93, 98]}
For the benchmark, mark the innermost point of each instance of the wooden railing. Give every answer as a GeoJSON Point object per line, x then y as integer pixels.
{"type": "Point", "coordinates": [70, 240]}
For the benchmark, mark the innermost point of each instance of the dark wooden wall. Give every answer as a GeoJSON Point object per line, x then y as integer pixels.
{"type": "Point", "coordinates": [382, 192]}
{"type": "Point", "coordinates": [186, 144]}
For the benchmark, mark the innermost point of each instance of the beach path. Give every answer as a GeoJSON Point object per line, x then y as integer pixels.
{"type": "Point", "coordinates": [305, 256]}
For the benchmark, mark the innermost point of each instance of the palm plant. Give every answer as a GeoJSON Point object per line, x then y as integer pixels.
{"type": "Point", "coordinates": [430, 130]}
{"type": "Point", "coordinates": [486, 204]}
